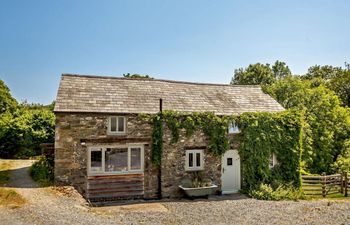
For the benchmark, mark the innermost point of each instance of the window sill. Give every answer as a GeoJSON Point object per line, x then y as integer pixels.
{"type": "Point", "coordinates": [116, 134]}
{"type": "Point", "coordinates": [194, 169]}
{"type": "Point", "coordinates": [114, 174]}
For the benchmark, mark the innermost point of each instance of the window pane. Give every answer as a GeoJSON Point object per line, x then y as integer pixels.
{"type": "Point", "coordinates": [120, 124]}
{"type": "Point", "coordinates": [116, 159]}
{"type": "Point", "coordinates": [190, 159]}
{"type": "Point", "coordinates": [135, 159]}
{"type": "Point", "coordinates": [229, 161]}
{"type": "Point", "coordinates": [113, 124]}
{"type": "Point", "coordinates": [198, 159]}
{"type": "Point", "coordinates": [96, 160]}
{"type": "Point", "coordinates": [233, 128]}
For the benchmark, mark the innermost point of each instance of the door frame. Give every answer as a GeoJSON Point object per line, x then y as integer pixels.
{"type": "Point", "coordinates": [233, 190]}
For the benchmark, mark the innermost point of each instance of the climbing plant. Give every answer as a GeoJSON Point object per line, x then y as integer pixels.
{"type": "Point", "coordinates": [213, 126]}
{"type": "Point", "coordinates": [264, 134]}
{"type": "Point", "coordinates": [157, 139]}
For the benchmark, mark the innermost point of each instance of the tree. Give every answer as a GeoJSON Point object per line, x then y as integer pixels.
{"type": "Point", "coordinates": [261, 74]}
{"type": "Point", "coordinates": [335, 78]}
{"type": "Point", "coordinates": [325, 72]}
{"type": "Point", "coordinates": [135, 75]}
{"type": "Point", "coordinates": [281, 70]}
{"type": "Point", "coordinates": [327, 123]}
{"type": "Point", "coordinates": [7, 102]}
{"type": "Point", "coordinates": [340, 84]}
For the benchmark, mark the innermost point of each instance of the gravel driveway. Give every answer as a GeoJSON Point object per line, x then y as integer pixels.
{"type": "Point", "coordinates": [65, 206]}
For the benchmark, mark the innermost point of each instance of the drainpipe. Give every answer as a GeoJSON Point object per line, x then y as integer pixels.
{"type": "Point", "coordinates": [160, 166]}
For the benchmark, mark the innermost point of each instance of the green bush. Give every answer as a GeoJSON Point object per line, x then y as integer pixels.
{"type": "Point", "coordinates": [42, 171]}
{"type": "Point", "coordinates": [282, 192]}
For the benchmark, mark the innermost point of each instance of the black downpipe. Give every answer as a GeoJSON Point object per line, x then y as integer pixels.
{"type": "Point", "coordinates": [160, 166]}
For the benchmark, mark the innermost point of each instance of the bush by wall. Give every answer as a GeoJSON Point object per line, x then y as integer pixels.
{"type": "Point", "coordinates": [42, 171]}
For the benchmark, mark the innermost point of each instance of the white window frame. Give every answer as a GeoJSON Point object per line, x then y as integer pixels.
{"type": "Point", "coordinates": [233, 125]}
{"type": "Point", "coordinates": [104, 148]}
{"type": "Point", "coordinates": [274, 161]}
{"type": "Point", "coordinates": [194, 167]}
{"type": "Point", "coordinates": [117, 121]}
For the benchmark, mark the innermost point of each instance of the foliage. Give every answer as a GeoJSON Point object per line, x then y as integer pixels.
{"type": "Point", "coordinates": [253, 74]}
{"type": "Point", "coordinates": [341, 85]}
{"type": "Point", "coordinates": [157, 139]}
{"type": "Point", "coordinates": [5, 172]}
{"type": "Point", "coordinates": [327, 123]}
{"type": "Point", "coordinates": [213, 126]}
{"type": "Point", "coordinates": [324, 72]}
{"type": "Point", "coordinates": [334, 78]}
{"type": "Point", "coordinates": [23, 131]}
{"type": "Point", "coordinates": [264, 134]}
{"type": "Point", "coordinates": [7, 102]}
{"type": "Point", "coordinates": [135, 75]}
{"type": "Point", "coordinates": [342, 162]}
{"type": "Point", "coordinates": [282, 192]}
{"type": "Point", "coordinates": [258, 73]}
{"type": "Point", "coordinates": [197, 179]}
{"type": "Point", "coordinates": [42, 170]}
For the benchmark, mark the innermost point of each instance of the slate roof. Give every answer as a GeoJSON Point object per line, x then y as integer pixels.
{"type": "Point", "coordinates": [85, 93]}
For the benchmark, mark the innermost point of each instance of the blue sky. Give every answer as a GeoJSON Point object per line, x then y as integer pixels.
{"type": "Point", "coordinates": [182, 40]}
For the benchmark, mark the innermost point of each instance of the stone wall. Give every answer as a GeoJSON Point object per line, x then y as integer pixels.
{"type": "Point", "coordinates": [71, 156]}
{"type": "Point", "coordinates": [73, 129]}
{"type": "Point", "coordinates": [174, 158]}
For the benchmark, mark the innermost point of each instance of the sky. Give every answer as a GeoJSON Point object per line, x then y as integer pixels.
{"type": "Point", "coordinates": [189, 40]}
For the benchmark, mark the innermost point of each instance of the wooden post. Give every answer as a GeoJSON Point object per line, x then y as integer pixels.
{"type": "Point", "coordinates": [342, 182]}
{"type": "Point", "coordinates": [346, 183]}
{"type": "Point", "coordinates": [323, 181]}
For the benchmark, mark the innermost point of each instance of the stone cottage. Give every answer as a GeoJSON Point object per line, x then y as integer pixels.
{"type": "Point", "coordinates": [103, 148]}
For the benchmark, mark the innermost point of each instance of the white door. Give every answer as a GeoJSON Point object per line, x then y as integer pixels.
{"type": "Point", "coordinates": [230, 172]}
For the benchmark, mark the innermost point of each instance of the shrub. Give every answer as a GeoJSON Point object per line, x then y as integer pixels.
{"type": "Point", "coordinates": [282, 192]}
{"type": "Point", "coordinates": [42, 171]}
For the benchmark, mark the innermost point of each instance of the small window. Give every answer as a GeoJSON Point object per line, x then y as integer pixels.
{"type": "Point", "coordinates": [272, 161]}
{"type": "Point", "coordinates": [194, 160]}
{"type": "Point", "coordinates": [233, 128]}
{"type": "Point", "coordinates": [229, 161]}
{"type": "Point", "coordinates": [96, 160]}
{"type": "Point", "coordinates": [116, 125]}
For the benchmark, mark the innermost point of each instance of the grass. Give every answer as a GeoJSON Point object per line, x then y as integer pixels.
{"type": "Point", "coordinates": [10, 198]}
{"type": "Point", "coordinates": [4, 172]}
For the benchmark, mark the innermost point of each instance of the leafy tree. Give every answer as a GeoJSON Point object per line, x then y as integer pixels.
{"type": "Point", "coordinates": [328, 122]}
{"type": "Point", "coordinates": [335, 78]}
{"type": "Point", "coordinates": [324, 72]}
{"type": "Point", "coordinates": [135, 75]}
{"type": "Point", "coordinates": [281, 70]}
{"type": "Point", "coordinates": [254, 74]}
{"type": "Point", "coordinates": [261, 74]}
{"type": "Point", "coordinates": [340, 84]}
{"type": "Point", "coordinates": [7, 102]}
{"type": "Point", "coordinates": [22, 132]}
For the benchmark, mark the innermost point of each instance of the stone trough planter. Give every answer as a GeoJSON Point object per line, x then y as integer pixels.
{"type": "Point", "coordinates": [199, 192]}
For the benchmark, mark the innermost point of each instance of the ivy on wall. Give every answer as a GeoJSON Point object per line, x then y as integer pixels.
{"type": "Point", "coordinates": [213, 126]}
{"type": "Point", "coordinates": [157, 139]}
{"type": "Point", "coordinates": [264, 134]}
